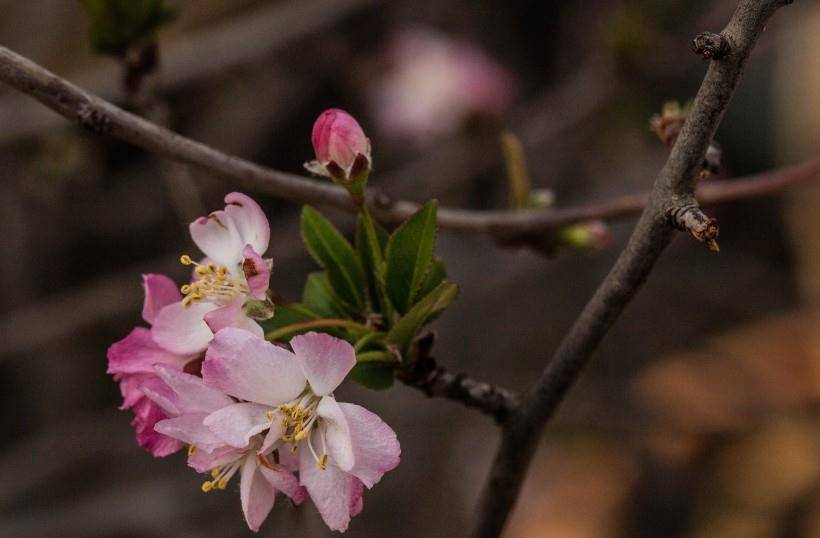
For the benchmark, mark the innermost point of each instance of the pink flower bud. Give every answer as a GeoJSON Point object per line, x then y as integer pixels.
{"type": "Point", "coordinates": [338, 138]}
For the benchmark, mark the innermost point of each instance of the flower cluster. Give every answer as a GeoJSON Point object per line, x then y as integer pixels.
{"type": "Point", "coordinates": [204, 376]}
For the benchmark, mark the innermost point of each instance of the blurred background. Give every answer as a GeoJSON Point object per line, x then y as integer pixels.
{"type": "Point", "coordinates": [698, 417]}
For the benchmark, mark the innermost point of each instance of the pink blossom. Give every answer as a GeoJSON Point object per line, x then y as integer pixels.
{"type": "Point", "coordinates": [435, 83]}
{"type": "Point", "coordinates": [233, 241]}
{"type": "Point", "coordinates": [132, 361]}
{"type": "Point", "coordinates": [341, 147]}
{"type": "Point", "coordinates": [340, 447]}
{"type": "Point", "coordinates": [189, 401]}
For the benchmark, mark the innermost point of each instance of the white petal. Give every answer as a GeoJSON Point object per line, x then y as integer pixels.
{"type": "Point", "coordinates": [250, 368]}
{"type": "Point", "coordinates": [182, 329]}
{"type": "Point", "coordinates": [237, 423]}
{"type": "Point", "coordinates": [325, 360]}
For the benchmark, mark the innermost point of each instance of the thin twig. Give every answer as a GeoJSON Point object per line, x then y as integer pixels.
{"type": "Point", "coordinates": [509, 226]}
{"type": "Point", "coordinates": [674, 187]}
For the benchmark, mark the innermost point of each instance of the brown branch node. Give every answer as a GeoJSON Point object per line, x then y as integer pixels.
{"type": "Point", "coordinates": [690, 218]}
{"type": "Point", "coordinates": [421, 371]}
{"type": "Point", "coordinates": [710, 46]}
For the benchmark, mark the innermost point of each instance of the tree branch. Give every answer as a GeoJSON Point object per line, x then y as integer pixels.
{"type": "Point", "coordinates": [674, 187]}
{"type": "Point", "coordinates": [507, 226]}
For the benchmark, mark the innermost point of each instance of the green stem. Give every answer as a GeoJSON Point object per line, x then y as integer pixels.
{"type": "Point", "coordinates": [375, 247]}
{"type": "Point", "coordinates": [367, 339]}
{"type": "Point", "coordinates": [315, 324]}
{"type": "Point", "coordinates": [376, 356]}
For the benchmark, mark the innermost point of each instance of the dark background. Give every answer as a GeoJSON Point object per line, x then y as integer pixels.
{"type": "Point", "coordinates": [698, 416]}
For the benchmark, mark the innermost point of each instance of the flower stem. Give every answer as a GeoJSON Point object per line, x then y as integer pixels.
{"type": "Point", "coordinates": [315, 324]}
{"type": "Point", "coordinates": [376, 356]}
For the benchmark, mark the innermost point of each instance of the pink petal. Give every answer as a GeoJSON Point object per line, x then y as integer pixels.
{"type": "Point", "coordinates": [256, 493]}
{"type": "Point", "coordinates": [250, 221]}
{"type": "Point", "coordinates": [192, 392]}
{"type": "Point", "coordinates": [256, 272]}
{"type": "Point", "coordinates": [325, 360]}
{"type": "Point", "coordinates": [288, 459]}
{"type": "Point", "coordinates": [202, 461]}
{"type": "Point", "coordinates": [131, 388]}
{"type": "Point", "coordinates": [147, 414]}
{"type": "Point", "coordinates": [237, 423]}
{"type": "Point", "coordinates": [356, 497]}
{"type": "Point", "coordinates": [138, 353]}
{"type": "Point", "coordinates": [160, 291]}
{"type": "Point", "coordinates": [231, 315]}
{"type": "Point", "coordinates": [189, 429]}
{"type": "Point", "coordinates": [250, 368]}
{"type": "Point", "coordinates": [374, 443]}
{"type": "Point", "coordinates": [218, 237]}
{"type": "Point", "coordinates": [332, 490]}
{"type": "Point", "coordinates": [283, 480]}
{"type": "Point", "coordinates": [182, 329]}
{"type": "Point", "coordinates": [158, 391]}
{"type": "Point", "coordinates": [337, 433]}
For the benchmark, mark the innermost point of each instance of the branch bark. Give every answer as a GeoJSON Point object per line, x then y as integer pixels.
{"type": "Point", "coordinates": [512, 227]}
{"type": "Point", "coordinates": [673, 188]}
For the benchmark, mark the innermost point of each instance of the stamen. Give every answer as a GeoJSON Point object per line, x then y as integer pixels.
{"type": "Point", "coordinates": [207, 486]}
{"type": "Point", "coordinates": [322, 462]}
{"type": "Point", "coordinates": [186, 260]}
{"type": "Point", "coordinates": [191, 450]}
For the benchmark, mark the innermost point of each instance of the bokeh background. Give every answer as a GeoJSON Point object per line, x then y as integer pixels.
{"type": "Point", "coordinates": [700, 414]}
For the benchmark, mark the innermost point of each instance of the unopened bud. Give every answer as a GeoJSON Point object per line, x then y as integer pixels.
{"type": "Point", "coordinates": [341, 147]}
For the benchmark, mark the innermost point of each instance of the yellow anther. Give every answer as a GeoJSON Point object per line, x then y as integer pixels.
{"type": "Point", "coordinates": [201, 270]}
{"type": "Point", "coordinates": [215, 473]}
{"type": "Point", "coordinates": [185, 289]}
{"type": "Point", "coordinates": [191, 450]}
{"type": "Point", "coordinates": [322, 463]}
{"type": "Point", "coordinates": [301, 434]}
{"type": "Point", "coordinates": [269, 414]}
{"type": "Point", "coordinates": [186, 260]}
{"type": "Point", "coordinates": [293, 449]}
{"type": "Point", "coordinates": [222, 484]}
{"type": "Point", "coordinates": [207, 486]}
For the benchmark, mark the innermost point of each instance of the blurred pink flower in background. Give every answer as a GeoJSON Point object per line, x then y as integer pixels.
{"type": "Point", "coordinates": [436, 83]}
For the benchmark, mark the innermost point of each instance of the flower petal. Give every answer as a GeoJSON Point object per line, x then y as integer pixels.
{"type": "Point", "coordinates": [331, 490]}
{"type": "Point", "coordinates": [182, 329]}
{"type": "Point", "coordinates": [158, 391]}
{"type": "Point", "coordinates": [189, 429]}
{"type": "Point", "coordinates": [237, 423]}
{"type": "Point", "coordinates": [256, 493]}
{"type": "Point", "coordinates": [194, 396]}
{"type": "Point", "coordinates": [160, 291]}
{"type": "Point", "coordinates": [283, 480]}
{"type": "Point", "coordinates": [250, 221]}
{"type": "Point", "coordinates": [325, 360]}
{"type": "Point", "coordinates": [138, 353]}
{"type": "Point", "coordinates": [374, 443]}
{"type": "Point", "coordinates": [146, 415]}
{"type": "Point", "coordinates": [218, 237]}
{"type": "Point", "coordinates": [337, 433]}
{"type": "Point", "coordinates": [202, 461]}
{"type": "Point", "coordinates": [250, 368]}
{"type": "Point", "coordinates": [257, 272]}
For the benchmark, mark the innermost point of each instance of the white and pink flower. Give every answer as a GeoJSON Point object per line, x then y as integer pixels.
{"type": "Point", "coordinates": [189, 401]}
{"type": "Point", "coordinates": [435, 83]}
{"type": "Point", "coordinates": [132, 361]}
{"type": "Point", "coordinates": [233, 273]}
{"type": "Point", "coordinates": [340, 447]}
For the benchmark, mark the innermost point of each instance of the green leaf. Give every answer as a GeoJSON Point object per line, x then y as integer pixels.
{"type": "Point", "coordinates": [373, 375]}
{"type": "Point", "coordinates": [371, 241]}
{"type": "Point", "coordinates": [332, 251]}
{"type": "Point", "coordinates": [424, 311]}
{"type": "Point", "coordinates": [318, 296]}
{"type": "Point", "coordinates": [409, 252]}
{"type": "Point", "coordinates": [118, 25]}
{"type": "Point", "coordinates": [435, 276]}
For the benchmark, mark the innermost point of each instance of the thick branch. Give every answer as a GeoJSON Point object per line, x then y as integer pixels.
{"type": "Point", "coordinates": [675, 184]}
{"type": "Point", "coordinates": [103, 117]}
{"type": "Point", "coordinates": [421, 371]}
